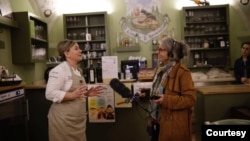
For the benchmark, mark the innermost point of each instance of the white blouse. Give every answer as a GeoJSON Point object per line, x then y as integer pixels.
{"type": "Point", "coordinates": [59, 82]}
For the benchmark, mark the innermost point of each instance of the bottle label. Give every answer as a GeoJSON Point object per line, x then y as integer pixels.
{"type": "Point", "coordinates": [222, 44]}
{"type": "Point", "coordinates": [88, 37]}
{"type": "Point", "coordinates": [92, 77]}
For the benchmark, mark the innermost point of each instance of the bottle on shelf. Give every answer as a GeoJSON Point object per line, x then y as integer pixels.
{"type": "Point", "coordinates": [202, 58]}
{"type": "Point", "coordinates": [205, 44]}
{"type": "Point", "coordinates": [227, 43]}
{"type": "Point", "coordinates": [99, 72]}
{"type": "Point", "coordinates": [221, 41]}
{"type": "Point", "coordinates": [96, 35]}
{"type": "Point", "coordinates": [118, 40]}
{"type": "Point", "coordinates": [211, 43]}
{"type": "Point", "coordinates": [100, 34]}
{"type": "Point", "coordinates": [85, 74]}
{"type": "Point", "coordinates": [136, 39]}
{"type": "Point", "coordinates": [88, 37]}
{"type": "Point", "coordinates": [127, 73]}
{"type": "Point", "coordinates": [197, 58]}
{"type": "Point", "coordinates": [91, 73]}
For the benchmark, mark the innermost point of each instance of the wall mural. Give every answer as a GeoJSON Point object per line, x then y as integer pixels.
{"type": "Point", "coordinates": [144, 19]}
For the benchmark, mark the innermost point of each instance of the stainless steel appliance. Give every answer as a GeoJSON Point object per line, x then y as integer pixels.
{"type": "Point", "coordinates": [13, 115]}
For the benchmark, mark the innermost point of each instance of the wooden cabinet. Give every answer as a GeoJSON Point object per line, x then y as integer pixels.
{"type": "Point", "coordinates": [89, 30]}
{"type": "Point", "coordinates": [30, 40]}
{"type": "Point", "coordinates": [206, 31]}
{"type": "Point", "coordinates": [206, 109]}
{"type": "Point", "coordinates": [8, 22]}
{"type": "Point", "coordinates": [38, 108]}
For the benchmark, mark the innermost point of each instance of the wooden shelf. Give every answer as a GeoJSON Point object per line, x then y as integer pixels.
{"type": "Point", "coordinates": [207, 49]}
{"type": "Point", "coordinates": [8, 22]}
{"type": "Point", "coordinates": [207, 26]}
{"type": "Point", "coordinates": [77, 25]}
{"type": "Point", "coordinates": [128, 49]}
{"type": "Point", "coordinates": [26, 42]}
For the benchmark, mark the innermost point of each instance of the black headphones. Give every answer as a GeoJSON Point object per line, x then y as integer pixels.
{"type": "Point", "coordinates": [170, 53]}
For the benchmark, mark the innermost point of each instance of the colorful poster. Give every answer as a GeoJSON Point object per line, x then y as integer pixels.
{"type": "Point", "coordinates": [144, 19]}
{"type": "Point", "coordinates": [101, 109]}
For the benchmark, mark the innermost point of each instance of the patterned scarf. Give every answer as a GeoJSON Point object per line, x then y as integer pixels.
{"type": "Point", "coordinates": [157, 88]}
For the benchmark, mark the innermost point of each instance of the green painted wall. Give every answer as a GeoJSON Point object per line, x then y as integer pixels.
{"type": "Point", "coordinates": [33, 73]}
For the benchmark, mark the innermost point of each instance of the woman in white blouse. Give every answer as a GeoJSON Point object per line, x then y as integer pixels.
{"type": "Point", "coordinates": [67, 89]}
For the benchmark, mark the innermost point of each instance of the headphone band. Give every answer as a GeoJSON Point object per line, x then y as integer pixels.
{"type": "Point", "coordinates": [170, 54]}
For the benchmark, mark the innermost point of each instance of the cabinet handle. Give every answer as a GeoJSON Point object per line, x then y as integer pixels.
{"type": "Point", "coordinates": [27, 108]}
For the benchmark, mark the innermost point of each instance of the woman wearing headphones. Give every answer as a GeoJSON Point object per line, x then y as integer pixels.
{"type": "Point", "coordinates": [174, 86]}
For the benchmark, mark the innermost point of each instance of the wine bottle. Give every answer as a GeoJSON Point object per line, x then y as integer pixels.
{"type": "Point", "coordinates": [99, 73]}
{"type": "Point", "coordinates": [136, 39]}
{"type": "Point", "coordinates": [85, 74]}
{"type": "Point", "coordinates": [96, 35]}
{"type": "Point", "coordinates": [91, 73]}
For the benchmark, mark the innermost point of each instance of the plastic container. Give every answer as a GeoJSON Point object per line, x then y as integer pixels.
{"type": "Point", "coordinates": [127, 73]}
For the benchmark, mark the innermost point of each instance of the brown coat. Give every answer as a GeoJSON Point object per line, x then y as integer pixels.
{"type": "Point", "coordinates": [179, 98]}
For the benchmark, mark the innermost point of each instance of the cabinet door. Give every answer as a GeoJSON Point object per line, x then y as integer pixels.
{"type": "Point", "coordinates": [30, 41]}
{"type": "Point", "coordinates": [38, 108]}
{"type": "Point", "coordinates": [89, 30]}
{"type": "Point", "coordinates": [206, 31]}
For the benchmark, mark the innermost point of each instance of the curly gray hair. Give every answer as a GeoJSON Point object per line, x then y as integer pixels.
{"type": "Point", "coordinates": [176, 50]}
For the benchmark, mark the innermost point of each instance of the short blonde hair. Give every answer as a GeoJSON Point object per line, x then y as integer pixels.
{"type": "Point", "coordinates": [63, 46]}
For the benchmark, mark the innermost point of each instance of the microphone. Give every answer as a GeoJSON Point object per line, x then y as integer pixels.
{"type": "Point", "coordinates": [120, 88]}
{"type": "Point", "coordinates": [125, 92]}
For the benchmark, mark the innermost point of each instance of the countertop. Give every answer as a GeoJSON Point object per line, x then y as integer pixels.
{"type": "Point", "coordinates": [35, 86]}
{"type": "Point", "coordinates": [22, 85]}
{"type": "Point", "coordinates": [6, 88]}
{"type": "Point", "coordinates": [226, 79]}
{"type": "Point", "coordinates": [214, 89]}
{"type": "Point", "coordinates": [224, 89]}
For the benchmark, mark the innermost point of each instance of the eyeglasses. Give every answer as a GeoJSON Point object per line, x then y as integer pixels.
{"type": "Point", "coordinates": [161, 49]}
{"type": "Point", "coordinates": [245, 48]}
